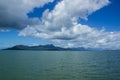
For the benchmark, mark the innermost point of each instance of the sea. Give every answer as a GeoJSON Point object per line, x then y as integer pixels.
{"type": "Point", "coordinates": [59, 65]}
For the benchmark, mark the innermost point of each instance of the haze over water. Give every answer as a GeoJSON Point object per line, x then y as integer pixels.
{"type": "Point", "coordinates": [59, 65]}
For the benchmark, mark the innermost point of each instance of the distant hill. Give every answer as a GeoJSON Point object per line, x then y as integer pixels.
{"type": "Point", "coordinates": [48, 47]}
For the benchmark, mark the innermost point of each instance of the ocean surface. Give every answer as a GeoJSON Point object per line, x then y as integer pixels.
{"type": "Point", "coordinates": [59, 65]}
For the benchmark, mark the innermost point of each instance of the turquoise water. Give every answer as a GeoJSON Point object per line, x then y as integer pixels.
{"type": "Point", "coordinates": [59, 65]}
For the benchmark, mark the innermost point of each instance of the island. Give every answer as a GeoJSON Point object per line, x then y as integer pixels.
{"type": "Point", "coordinates": [49, 47]}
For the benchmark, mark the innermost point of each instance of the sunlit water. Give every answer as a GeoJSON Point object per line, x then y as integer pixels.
{"type": "Point", "coordinates": [59, 65]}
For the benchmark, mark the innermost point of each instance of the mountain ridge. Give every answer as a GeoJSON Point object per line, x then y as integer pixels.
{"type": "Point", "coordinates": [49, 47]}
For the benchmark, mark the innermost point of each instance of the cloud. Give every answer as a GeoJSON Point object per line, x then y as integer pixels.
{"type": "Point", "coordinates": [4, 30]}
{"type": "Point", "coordinates": [13, 13]}
{"type": "Point", "coordinates": [78, 36]}
{"type": "Point", "coordinates": [66, 13]}
{"type": "Point", "coordinates": [60, 25]}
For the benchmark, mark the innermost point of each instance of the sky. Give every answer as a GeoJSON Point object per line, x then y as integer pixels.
{"type": "Point", "coordinates": [64, 23]}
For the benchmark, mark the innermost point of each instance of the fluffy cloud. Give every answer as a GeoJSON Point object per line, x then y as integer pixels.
{"type": "Point", "coordinates": [13, 13]}
{"type": "Point", "coordinates": [78, 35]}
{"type": "Point", "coordinates": [61, 24]}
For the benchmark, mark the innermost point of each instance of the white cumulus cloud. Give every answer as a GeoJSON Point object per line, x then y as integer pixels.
{"type": "Point", "coordinates": [61, 26]}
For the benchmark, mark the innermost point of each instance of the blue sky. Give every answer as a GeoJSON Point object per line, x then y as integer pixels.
{"type": "Point", "coordinates": [11, 38]}
{"type": "Point", "coordinates": [107, 17]}
{"type": "Point", "coordinates": [38, 11]}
